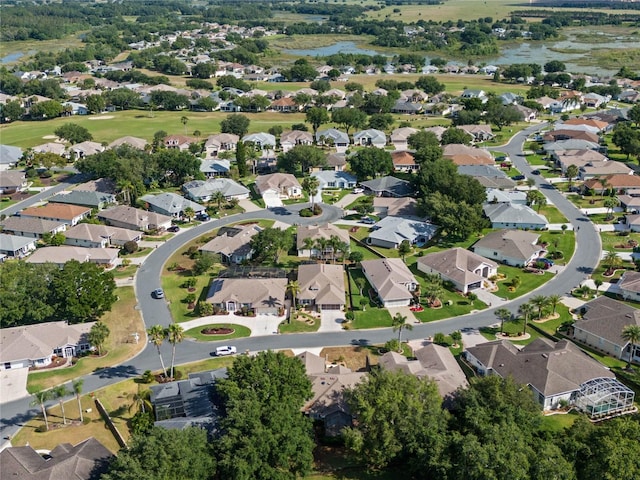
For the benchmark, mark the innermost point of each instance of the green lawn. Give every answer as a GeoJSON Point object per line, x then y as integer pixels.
{"type": "Point", "coordinates": [552, 214]}
{"type": "Point", "coordinates": [564, 242]}
{"type": "Point", "coordinates": [528, 281]}
{"type": "Point", "coordinates": [124, 272]}
{"type": "Point", "coordinates": [513, 328]}
{"type": "Point", "coordinates": [460, 306]}
{"type": "Point", "coordinates": [613, 241]}
{"type": "Point", "coordinates": [580, 201]}
{"type": "Point", "coordinates": [559, 422]}
{"type": "Point", "coordinates": [372, 317]}
{"type": "Point", "coordinates": [331, 196]}
{"type": "Point", "coordinates": [304, 324]}
{"type": "Point", "coordinates": [551, 326]}
{"type": "Point", "coordinates": [240, 331]}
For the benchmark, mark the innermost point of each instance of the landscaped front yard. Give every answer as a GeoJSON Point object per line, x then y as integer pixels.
{"type": "Point", "coordinates": [528, 282]}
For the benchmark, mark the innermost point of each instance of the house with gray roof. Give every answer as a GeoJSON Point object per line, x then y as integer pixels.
{"type": "Point", "coordinates": [84, 149]}
{"type": "Point", "coordinates": [134, 218]}
{"type": "Point", "coordinates": [337, 161]}
{"type": "Point", "coordinates": [9, 156]}
{"type": "Point", "coordinates": [258, 295]}
{"type": "Point", "coordinates": [629, 285]}
{"type": "Point", "coordinates": [507, 215]}
{"type": "Point", "coordinates": [370, 138]}
{"type": "Point", "coordinates": [100, 236]}
{"type": "Point", "coordinates": [334, 137]}
{"type": "Point", "coordinates": [391, 231]}
{"type": "Point", "coordinates": [83, 198]}
{"type": "Point", "coordinates": [107, 257]}
{"type": "Point", "coordinates": [314, 234]}
{"type": "Point", "coordinates": [171, 204]}
{"type": "Point", "coordinates": [12, 181]}
{"type": "Point", "coordinates": [220, 142]}
{"type": "Point", "coordinates": [203, 191]}
{"type": "Point", "coordinates": [406, 108]}
{"type": "Point", "coordinates": [555, 373]}
{"type": "Point", "coordinates": [392, 280]}
{"type": "Point", "coordinates": [215, 168]}
{"type": "Point", "coordinates": [433, 362]}
{"type": "Point", "coordinates": [400, 137]}
{"type": "Point", "coordinates": [516, 197]}
{"type": "Point", "coordinates": [489, 176]}
{"type": "Point", "coordinates": [87, 460]}
{"type": "Point", "coordinates": [31, 226]}
{"type": "Point", "coordinates": [333, 179]}
{"type": "Point", "coordinates": [602, 320]}
{"type": "Point", "coordinates": [464, 269]}
{"type": "Point", "coordinates": [511, 247]}
{"type": "Point", "coordinates": [233, 244]}
{"type": "Point", "coordinates": [35, 345]}
{"type": "Point", "coordinates": [388, 187]}
{"type": "Point", "coordinates": [185, 403]}
{"type": "Point", "coordinates": [321, 286]}
{"type": "Point", "coordinates": [134, 142]}
{"type": "Point", "coordinates": [14, 246]}
{"type": "Point", "coordinates": [288, 140]}
{"type": "Point", "coordinates": [262, 140]}
{"type": "Point", "coordinates": [572, 144]}
{"type": "Point", "coordinates": [405, 207]}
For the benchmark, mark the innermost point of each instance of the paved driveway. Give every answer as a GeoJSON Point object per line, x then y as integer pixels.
{"type": "Point", "coordinates": [272, 200]}
{"type": "Point", "coordinates": [331, 321]}
{"type": "Point", "coordinates": [13, 384]}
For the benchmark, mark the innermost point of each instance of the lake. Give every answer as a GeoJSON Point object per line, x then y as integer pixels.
{"type": "Point", "coordinates": [12, 57]}
{"type": "Point", "coordinates": [339, 47]}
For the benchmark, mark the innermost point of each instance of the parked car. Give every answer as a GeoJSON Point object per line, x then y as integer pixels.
{"type": "Point", "coordinates": [517, 177]}
{"type": "Point", "coordinates": [536, 172]}
{"type": "Point", "coordinates": [158, 293]}
{"type": "Point", "coordinates": [203, 217]}
{"type": "Point", "coordinates": [546, 261]}
{"type": "Point", "coordinates": [173, 229]}
{"type": "Point", "coordinates": [225, 350]}
{"type": "Point", "coordinates": [358, 190]}
{"type": "Point", "coordinates": [368, 220]}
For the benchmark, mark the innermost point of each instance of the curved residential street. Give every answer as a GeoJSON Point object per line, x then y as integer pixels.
{"type": "Point", "coordinates": [585, 259]}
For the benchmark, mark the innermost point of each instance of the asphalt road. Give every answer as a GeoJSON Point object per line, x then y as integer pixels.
{"type": "Point", "coordinates": [154, 311]}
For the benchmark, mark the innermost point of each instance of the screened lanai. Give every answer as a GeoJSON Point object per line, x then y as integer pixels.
{"type": "Point", "coordinates": [604, 397]}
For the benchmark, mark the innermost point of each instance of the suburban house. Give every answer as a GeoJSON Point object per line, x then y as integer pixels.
{"type": "Point", "coordinates": [390, 232]}
{"type": "Point", "coordinates": [85, 461]}
{"type": "Point", "coordinates": [179, 142]}
{"type": "Point", "coordinates": [328, 384]}
{"type": "Point", "coordinates": [599, 125]}
{"type": "Point", "coordinates": [511, 247]}
{"type": "Point", "coordinates": [570, 133]}
{"type": "Point", "coordinates": [51, 147]}
{"type": "Point", "coordinates": [97, 200]}
{"type": "Point", "coordinates": [489, 176]}
{"type": "Point", "coordinates": [12, 181]}
{"type": "Point", "coordinates": [466, 270]}
{"type": "Point", "coordinates": [404, 161]}
{"type": "Point", "coordinates": [171, 204]}
{"type": "Point", "coordinates": [215, 168]}
{"type": "Point", "coordinates": [333, 137]}
{"type": "Point", "coordinates": [134, 218]}
{"type": "Point", "coordinates": [603, 169]}
{"type": "Point", "coordinates": [392, 280]}
{"type": "Point", "coordinates": [106, 257]}
{"type": "Point", "coordinates": [14, 246]}
{"type": "Point", "coordinates": [187, 403]}
{"type": "Point", "coordinates": [35, 346]}
{"type": "Point", "coordinates": [100, 236]}
{"type": "Point", "coordinates": [336, 161]}
{"type": "Point", "coordinates": [620, 183]}
{"type": "Point", "coordinates": [432, 361]}
{"type": "Point", "coordinates": [629, 285]}
{"type": "Point", "coordinates": [333, 179]}
{"type": "Point", "coordinates": [278, 186]}
{"type": "Point", "coordinates": [220, 142]}
{"type": "Point", "coordinates": [400, 137]}
{"type": "Point", "coordinates": [134, 142]}
{"type": "Point", "coordinates": [388, 187]}
{"type": "Point", "coordinates": [370, 138]}
{"type": "Point", "coordinates": [579, 158]}
{"type": "Point", "coordinates": [571, 144]}
{"type": "Point", "coordinates": [285, 105]}
{"type": "Point", "coordinates": [464, 155]}
{"type": "Point", "coordinates": [507, 215]}
{"type": "Point", "coordinates": [555, 373]}
{"type": "Point", "coordinates": [261, 296]}
{"type": "Point", "coordinates": [516, 197]}
{"type": "Point", "coordinates": [31, 226]}
{"type": "Point", "coordinates": [480, 133]}
{"type": "Point", "coordinates": [288, 140]}
{"type": "Point", "coordinates": [308, 238]}
{"type": "Point", "coordinates": [85, 149]}
{"type": "Point", "coordinates": [9, 157]}
{"type": "Point", "coordinates": [481, 94]}
{"type": "Point", "coordinates": [261, 140]}
{"type": "Point", "coordinates": [233, 244]}
{"type": "Point", "coordinates": [603, 319]}
{"type": "Point", "coordinates": [204, 191]}
{"type": "Point", "coordinates": [406, 207]}
{"type": "Point", "coordinates": [58, 212]}
{"type": "Point", "coordinates": [321, 286]}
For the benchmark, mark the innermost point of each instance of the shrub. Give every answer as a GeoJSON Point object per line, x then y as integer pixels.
{"type": "Point", "coordinates": [439, 339]}
{"type": "Point", "coordinates": [147, 377]}
{"type": "Point", "coordinates": [41, 428]}
{"type": "Point", "coordinates": [130, 247]}
{"type": "Point", "coordinates": [306, 212]}
{"type": "Point", "coordinates": [349, 316]}
{"type": "Point", "coordinates": [317, 210]}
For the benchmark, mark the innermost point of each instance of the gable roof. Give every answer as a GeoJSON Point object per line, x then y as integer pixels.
{"type": "Point", "coordinates": [606, 317]}
{"type": "Point", "coordinates": [12, 243]}
{"type": "Point", "coordinates": [396, 206]}
{"type": "Point", "coordinates": [397, 229]}
{"type": "Point", "coordinates": [84, 198]}
{"type": "Point", "coordinates": [12, 178]}
{"type": "Point", "coordinates": [171, 202]}
{"type": "Point", "coordinates": [389, 277]}
{"type": "Point", "coordinates": [84, 461]}
{"type": "Point", "coordinates": [9, 154]}
{"type": "Point", "coordinates": [457, 264]}
{"type": "Point", "coordinates": [232, 240]}
{"type": "Point", "coordinates": [375, 136]}
{"type": "Point", "coordinates": [333, 133]}
{"type": "Point", "coordinates": [513, 213]}
{"type": "Point", "coordinates": [315, 232]}
{"type": "Point", "coordinates": [30, 225]}
{"type": "Point", "coordinates": [135, 142]}
{"type": "Point", "coordinates": [215, 166]}
{"type": "Point", "coordinates": [322, 283]}
{"type": "Point", "coordinates": [551, 368]}
{"type": "Point", "coordinates": [56, 210]}
{"type": "Point", "coordinates": [96, 233]}
{"type": "Point", "coordinates": [511, 243]}
{"type": "Point", "coordinates": [392, 185]}
{"type": "Point", "coordinates": [402, 157]}
{"type": "Point", "coordinates": [616, 181]}
{"type": "Point", "coordinates": [259, 292]}
{"type": "Point", "coordinates": [203, 188]}
{"type": "Point", "coordinates": [276, 181]}
{"type": "Point", "coordinates": [66, 253]}
{"type": "Point", "coordinates": [133, 216]}
{"type": "Point", "coordinates": [464, 155]}
{"type": "Point", "coordinates": [296, 136]}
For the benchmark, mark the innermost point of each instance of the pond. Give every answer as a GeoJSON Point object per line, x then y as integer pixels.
{"type": "Point", "coordinates": [12, 57]}
{"type": "Point", "coordinates": [339, 47]}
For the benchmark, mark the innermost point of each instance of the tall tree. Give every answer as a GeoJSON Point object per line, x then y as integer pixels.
{"type": "Point", "coordinates": [571, 173]}
{"type": "Point", "coordinates": [175, 335]}
{"type": "Point", "coordinates": [553, 301]}
{"type": "Point", "coordinates": [76, 386]}
{"type": "Point", "coordinates": [59, 393]}
{"type": "Point", "coordinates": [98, 335]}
{"type": "Point", "coordinates": [157, 335]}
{"type": "Point", "coordinates": [526, 310]}
{"type": "Point", "coordinates": [241, 159]}
{"type": "Point", "coordinates": [40, 397]}
{"type": "Point", "coordinates": [310, 185]}
{"type": "Point", "coordinates": [371, 162]}
{"type": "Point", "coordinates": [73, 133]}
{"type": "Point", "coordinates": [293, 289]}
{"type": "Point", "coordinates": [349, 118]}
{"type": "Point", "coordinates": [316, 116]}
{"type": "Point", "coordinates": [540, 302]}
{"type": "Point", "coordinates": [235, 123]}
{"type": "Point", "coordinates": [399, 323]}
{"type": "Point", "coordinates": [266, 436]}
{"type": "Point", "coordinates": [503, 315]}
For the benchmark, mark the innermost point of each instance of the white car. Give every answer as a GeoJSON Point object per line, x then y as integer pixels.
{"type": "Point", "coordinates": [358, 190]}
{"type": "Point", "coordinates": [226, 350]}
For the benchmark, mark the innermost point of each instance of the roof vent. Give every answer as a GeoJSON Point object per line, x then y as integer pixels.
{"type": "Point", "coordinates": [501, 365]}
{"type": "Point", "coordinates": [545, 355]}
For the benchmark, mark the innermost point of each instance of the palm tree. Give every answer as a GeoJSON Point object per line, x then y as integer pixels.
{"type": "Point", "coordinates": [610, 203]}
{"type": "Point", "coordinates": [399, 322]}
{"type": "Point", "coordinates": [189, 213]}
{"type": "Point", "coordinates": [604, 181]}
{"type": "Point", "coordinates": [218, 197]}
{"type": "Point", "coordinates": [76, 386]}
{"type": "Point", "coordinates": [631, 333]}
{"type": "Point", "coordinates": [98, 334]}
{"type": "Point", "coordinates": [293, 288]}
{"type": "Point", "coordinates": [157, 335]}
{"type": "Point", "coordinates": [598, 284]}
{"type": "Point", "coordinates": [539, 302]}
{"type": "Point", "coordinates": [140, 400]}
{"type": "Point", "coordinates": [321, 246]}
{"type": "Point", "coordinates": [526, 310]}
{"type": "Point", "coordinates": [334, 243]}
{"type": "Point", "coordinates": [175, 335]}
{"type": "Point", "coordinates": [571, 173]}
{"type": "Point", "coordinates": [60, 392]}
{"type": "Point", "coordinates": [432, 292]}
{"type": "Point", "coordinates": [311, 185]}
{"type": "Point", "coordinates": [309, 243]}
{"type": "Point", "coordinates": [553, 301]}
{"type": "Point", "coordinates": [611, 261]}
{"type": "Point", "coordinates": [503, 315]}
{"type": "Point", "coordinates": [184, 121]}
{"type": "Point", "coordinates": [41, 396]}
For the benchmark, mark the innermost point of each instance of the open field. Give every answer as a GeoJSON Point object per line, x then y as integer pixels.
{"type": "Point", "coordinates": [29, 47]}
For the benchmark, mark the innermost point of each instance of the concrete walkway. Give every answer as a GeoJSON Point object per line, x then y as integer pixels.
{"type": "Point", "coordinates": [489, 298]}
{"type": "Point", "coordinates": [404, 311]}
{"type": "Point", "coordinates": [348, 199]}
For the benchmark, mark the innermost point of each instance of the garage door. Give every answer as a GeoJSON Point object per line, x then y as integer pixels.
{"type": "Point", "coordinates": [272, 200]}
{"type": "Point", "coordinates": [331, 307]}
